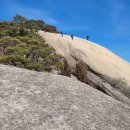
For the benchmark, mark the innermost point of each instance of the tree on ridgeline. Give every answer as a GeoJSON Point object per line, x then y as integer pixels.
{"type": "Point", "coordinates": [18, 19]}
{"type": "Point", "coordinates": [34, 24]}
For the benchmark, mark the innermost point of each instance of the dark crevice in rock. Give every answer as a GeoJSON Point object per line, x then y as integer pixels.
{"type": "Point", "coordinates": [94, 72]}
{"type": "Point", "coordinates": [100, 89]}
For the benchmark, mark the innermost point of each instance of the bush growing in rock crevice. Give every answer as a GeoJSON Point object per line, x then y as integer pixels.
{"type": "Point", "coordinates": [81, 72]}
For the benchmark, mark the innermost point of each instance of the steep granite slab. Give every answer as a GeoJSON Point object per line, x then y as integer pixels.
{"type": "Point", "coordinates": [106, 65]}
{"type": "Point", "coordinates": [41, 101]}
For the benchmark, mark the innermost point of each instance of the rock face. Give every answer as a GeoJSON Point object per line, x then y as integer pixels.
{"type": "Point", "coordinates": [41, 101]}
{"type": "Point", "coordinates": [93, 65]}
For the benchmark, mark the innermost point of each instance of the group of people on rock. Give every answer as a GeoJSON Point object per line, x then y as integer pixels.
{"type": "Point", "coordinates": [72, 36]}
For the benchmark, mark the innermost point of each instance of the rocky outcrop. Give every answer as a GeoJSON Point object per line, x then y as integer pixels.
{"type": "Point", "coordinates": [107, 88]}
{"type": "Point", "coordinates": [93, 65]}
{"type": "Point", "coordinates": [88, 76]}
{"type": "Point", "coordinates": [32, 100]}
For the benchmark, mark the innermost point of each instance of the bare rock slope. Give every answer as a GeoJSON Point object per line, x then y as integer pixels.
{"type": "Point", "coordinates": [41, 101]}
{"type": "Point", "coordinates": [93, 64]}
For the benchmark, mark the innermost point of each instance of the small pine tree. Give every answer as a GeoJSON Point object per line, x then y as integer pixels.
{"type": "Point", "coordinates": [18, 19]}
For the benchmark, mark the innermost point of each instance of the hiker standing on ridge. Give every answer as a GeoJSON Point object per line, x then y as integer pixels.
{"type": "Point", "coordinates": [87, 37]}
{"type": "Point", "coordinates": [62, 34]}
{"type": "Point", "coordinates": [72, 36]}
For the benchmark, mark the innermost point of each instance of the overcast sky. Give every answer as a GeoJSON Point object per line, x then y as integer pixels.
{"type": "Point", "coordinates": [107, 22]}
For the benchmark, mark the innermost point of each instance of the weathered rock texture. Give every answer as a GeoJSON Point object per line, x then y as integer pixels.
{"type": "Point", "coordinates": [41, 101]}
{"type": "Point", "coordinates": [109, 73]}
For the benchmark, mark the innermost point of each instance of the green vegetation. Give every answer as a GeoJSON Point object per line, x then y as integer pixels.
{"type": "Point", "coordinates": [21, 46]}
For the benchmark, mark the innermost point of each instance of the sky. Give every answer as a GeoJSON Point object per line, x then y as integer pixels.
{"type": "Point", "coordinates": [107, 22]}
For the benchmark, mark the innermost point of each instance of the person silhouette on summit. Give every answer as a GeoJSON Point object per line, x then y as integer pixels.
{"type": "Point", "coordinates": [87, 37]}
{"type": "Point", "coordinates": [62, 34]}
{"type": "Point", "coordinates": [72, 36]}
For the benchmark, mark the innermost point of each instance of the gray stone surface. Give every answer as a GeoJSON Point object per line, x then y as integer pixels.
{"type": "Point", "coordinates": [107, 88]}
{"type": "Point", "coordinates": [41, 101]}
